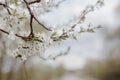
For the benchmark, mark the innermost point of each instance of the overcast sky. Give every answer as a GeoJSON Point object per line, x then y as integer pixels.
{"type": "Point", "coordinates": [88, 45]}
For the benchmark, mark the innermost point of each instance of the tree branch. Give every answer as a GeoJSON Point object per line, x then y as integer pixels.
{"type": "Point", "coordinates": [57, 5]}
{"type": "Point", "coordinates": [15, 34]}
{"type": "Point", "coordinates": [33, 17]}
{"type": "Point", "coordinates": [41, 24]}
{"type": "Point", "coordinates": [32, 2]}
{"type": "Point", "coordinates": [5, 6]}
{"type": "Point", "coordinates": [31, 27]}
{"type": "Point", "coordinates": [4, 31]}
{"type": "Point", "coordinates": [2, 4]}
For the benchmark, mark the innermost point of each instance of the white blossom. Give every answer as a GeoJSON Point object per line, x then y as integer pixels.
{"type": "Point", "coordinates": [13, 19]}
{"type": "Point", "coordinates": [19, 56]}
{"type": "Point", "coordinates": [11, 35]}
{"type": "Point", "coordinates": [37, 46]}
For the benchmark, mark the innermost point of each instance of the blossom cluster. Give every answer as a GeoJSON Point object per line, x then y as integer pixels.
{"type": "Point", "coordinates": [28, 48]}
{"type": "Point", "coordinates": [14, 18]}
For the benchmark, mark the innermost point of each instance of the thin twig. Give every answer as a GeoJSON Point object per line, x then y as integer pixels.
{"type": "Point", "coordinates": [4, 31]}
{"type": "Point", "coordinates": [2, 4]}
{"type": "Point", "coordinates": [7, 7]}
{"type": "Point", "coordinates": [31, 14]}
{"type": "Point", "coordinates": [31, 27]}
{"type": "Point", "coordinates": [32, 2]}
{"type": "Point", "coordinates": [9, 33]}
{"type": "Point", "coordinates": [57, 5]}
{"type": "Point", "coordinates": [42, 24]}
{"type": "Point", "coordinates": [31, 18]}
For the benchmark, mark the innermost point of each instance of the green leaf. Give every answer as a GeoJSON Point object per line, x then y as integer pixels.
{"type": "Point", "coordinates": [18, 56]}
{"type": "Point", "coordinates": [74, 37]}
{"type": "Point", "coordinates": [15, 11]}
{"type": "Point", "coordinates": [82, 30]}
{"type": "Point", "coordinates": [16, 2]}
{"type": "Point", "coordinates": [54, 34]}
{"type": "Point", "coordinates": [23, 17]}
{"type": "Point", "coordinates": [90, 30]}
{"type": "Point", "coordinates": [11, 25]}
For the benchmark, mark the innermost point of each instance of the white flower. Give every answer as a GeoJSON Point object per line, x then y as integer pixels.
{"type": "Point", "coordinates": [12, 35]}
{"type": "Point", "coordinates": [17, 54]}
{"type": "Point", "coordinates": [37, 46]}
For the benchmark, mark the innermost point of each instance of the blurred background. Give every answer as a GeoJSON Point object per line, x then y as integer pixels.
{"type": "Point", "coordinates": [94, 56]}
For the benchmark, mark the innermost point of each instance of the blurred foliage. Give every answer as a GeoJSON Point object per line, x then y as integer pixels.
{"type": "Point", "coordinates": [43, 72]}
{"type": "Point", "coordinates": [108, 67]}
{"type": "Point", "coordinates": [103, 70]}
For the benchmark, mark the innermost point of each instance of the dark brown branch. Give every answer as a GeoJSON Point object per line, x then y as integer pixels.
{"type": "Point", "coordinates": [9, 33]}
{"type": "Point", "coordinates": [5, 6]}
{"type": "Point", "coordinates": [31, 18]}
{"type": "Point", "coordinates": [31, 14]}
{"type": "Point", "coordinates": [31, 26]}
{"type": "Point", "coordinates": [32, 2]}
{"type": "Point", "coordinates": [2, 4]}
{"type": "Point", "coordinates": [31, 35]}
{"type": "Point", "coordinates": [22, 37]}
{"type": "Point", "coordinates": [4, 31]}
{"type": "Point", "coordinates": [42, 24]}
